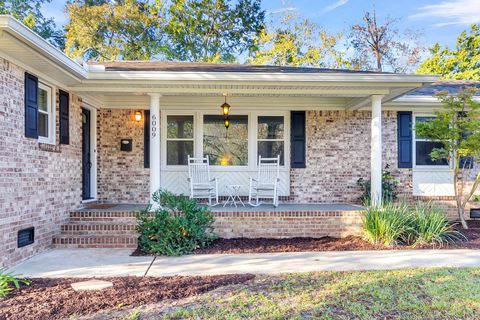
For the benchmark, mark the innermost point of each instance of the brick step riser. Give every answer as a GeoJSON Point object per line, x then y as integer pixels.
{"type": "Point", "coordinates": [87, 227]}
{"type": "Point", "coordinates": [98, 233]}
{"type": "Point", "coordinates": [95, 242]}
{"type": "Point", "coordinates": [96, 246]}
{"type": "Point", "coordinates": [105, 219]}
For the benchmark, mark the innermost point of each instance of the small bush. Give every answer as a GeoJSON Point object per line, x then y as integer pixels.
{"type": "Point", "coordinates": [422, 224]}
{"type": "Point", "coordinates": [389, 187]}
{"type": "Point", "coordinates": [431, 227]}
{"type": "Point", "coordinates": [8, 281]}
{"type": "Point", "coordinates": [388, 224]}
{"type": "Point", "coordinates": [178, 227]}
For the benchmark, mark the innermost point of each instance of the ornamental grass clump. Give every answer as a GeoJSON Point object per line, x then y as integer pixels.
{"type": "Point", "coordinates": [431, 227]}
{"type": "Point", "coordinates": [179, 225]}
{"type": "Point", "coordinates": [9, 281]}
{"type": "Point", "coordinates": [388, 224]}
{"type": "Point", "coordinates": [400, 224]}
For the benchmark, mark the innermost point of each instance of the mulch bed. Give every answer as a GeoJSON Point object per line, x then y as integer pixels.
{"type": "Point", "coordinates": [350, 243]}
{"type": "Point", "coordinates": [55, 299]}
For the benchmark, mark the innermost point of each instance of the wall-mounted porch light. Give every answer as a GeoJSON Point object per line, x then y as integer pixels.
{"type": "Point", "coordinates": [138, 116]}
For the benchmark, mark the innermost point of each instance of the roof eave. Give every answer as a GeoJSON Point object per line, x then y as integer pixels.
{"type": "Point", "coordinates": [24, 34]}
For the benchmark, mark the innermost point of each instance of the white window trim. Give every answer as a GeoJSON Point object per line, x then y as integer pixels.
{"type": "Point", "coordinates": [164, 139]}
{"type": "Point", "coordinates": [198, 138]}
{"type": "Point", "coordinates": [51, 100]}
{"type": "Point", "coordinates": [414, 151]}
{"type": "Point", "coordinates": [286, 135]}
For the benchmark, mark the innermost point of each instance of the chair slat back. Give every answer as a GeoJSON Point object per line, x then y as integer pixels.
{"type": "Point", "coordinates": [268, 170]}
{"type": "Point", "coordinates": [199, 170]}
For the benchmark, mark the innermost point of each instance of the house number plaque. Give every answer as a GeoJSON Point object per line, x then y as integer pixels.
{"type": "Point", "coordinates": [154, 125]}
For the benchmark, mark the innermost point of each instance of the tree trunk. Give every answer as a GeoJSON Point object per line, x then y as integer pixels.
{"type": "Point", "coordinates": [461, 211]}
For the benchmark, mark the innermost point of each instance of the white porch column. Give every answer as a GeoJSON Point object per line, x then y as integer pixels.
{"type": "Point", "coordinates": [154, 143]}
{"type": "Point", "coordinates": [376, 150]}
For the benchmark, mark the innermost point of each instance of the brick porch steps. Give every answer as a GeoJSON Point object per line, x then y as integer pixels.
{"type": "Point", "coordinates": [98, 229]}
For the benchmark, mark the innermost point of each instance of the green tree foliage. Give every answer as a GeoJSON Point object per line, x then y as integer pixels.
{"type": "Point", "coordinates": [382, 46]}
{"type": "Point", "coordinates": [186, 30]}
{"type": "Point", "coordinates": [120, 30]}
{"type": "Point", "coordinates": [457, 127]}
{"type": "Point", "coordinates": [28, 12]}
{"type": "Point", "coordinates": [296, 41]}
{"type": "Point", "coordinates": [212, 31]}
{"type": "Point", "coordinates": [461, 63]}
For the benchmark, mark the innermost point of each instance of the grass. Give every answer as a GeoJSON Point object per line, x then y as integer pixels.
{"type": "Point", "coordinates": [399, 294]}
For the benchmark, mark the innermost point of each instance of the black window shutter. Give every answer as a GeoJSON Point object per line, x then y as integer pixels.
{"type": "Point", "coordinates": [64, 112]}
{"type": "Point", "coordinates": [146, 139]}
{"type": "Point", "coordinates": [298, 139]}
{"type": "Point", "coordinates": [405, 139]}
{"type": "Point", "coordinates": [31, 106]}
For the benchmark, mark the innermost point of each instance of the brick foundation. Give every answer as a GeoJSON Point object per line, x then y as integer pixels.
{"type": "Point", "coordinates": [287, 224]}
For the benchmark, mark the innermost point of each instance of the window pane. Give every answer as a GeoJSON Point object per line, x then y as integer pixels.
{"type": "Point", "coordinates": [43, 125]}
{"type": "Point", "coordinates": [270, 149]}
{"type": "Point", "coordinates": [270, 127]}
{"type": "Point", "coordinates": [422, 119]}
{"type": "Point", "coordinates": [42, 100]}
{"type": "Point", "coordinates": [226, 148]}
{"type": "Point", "coordinates": [422, 153]}
{"type": "Point", "coordinates": [178, 151]}
{"type": "Point", "coordinates": [180, 127]}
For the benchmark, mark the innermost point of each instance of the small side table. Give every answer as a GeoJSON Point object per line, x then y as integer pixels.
{"type": "Point", "coordinates": [234, 195]}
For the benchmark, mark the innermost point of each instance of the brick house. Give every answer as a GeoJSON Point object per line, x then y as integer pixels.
{"type": "Point", "coordinates": [75, 133]}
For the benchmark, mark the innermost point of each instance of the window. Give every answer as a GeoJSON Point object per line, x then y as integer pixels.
{"type": "Point", "coordinates": [271, 137]}
{"type": "Point", "coordinates": [226, 147]}
{"type": "Point", "coordinates": [46, 124]}
{"type": "Point", "coordinates": [180, 136]}
{"type": "Point", "coordinates": [423, 148]}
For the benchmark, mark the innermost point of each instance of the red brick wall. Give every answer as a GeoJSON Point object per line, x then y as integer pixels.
{"type": "Point", "coordinates": [122, 177]}
{"type": "Point", "coordinates": [287, 224]}
{"type": "Point", "coordinates": [39, 184]}
{"type": "Point", "coordinates": [338, 154]}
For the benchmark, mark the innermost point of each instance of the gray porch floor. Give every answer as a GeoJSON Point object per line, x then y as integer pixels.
{"type": "Point", "coordinates": [287, 207]}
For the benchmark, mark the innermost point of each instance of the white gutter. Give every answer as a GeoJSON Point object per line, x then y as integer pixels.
{"type": "Point", "coordinates": [251, 76]}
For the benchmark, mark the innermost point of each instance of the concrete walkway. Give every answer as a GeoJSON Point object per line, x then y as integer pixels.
{"type": "Point", "coordinates": [118, 262]}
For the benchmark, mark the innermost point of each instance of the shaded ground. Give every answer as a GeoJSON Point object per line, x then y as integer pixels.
{"type": "Point", "coordinates": [397, 294]}
{"type": "Point", "coordinates": [55, 299]}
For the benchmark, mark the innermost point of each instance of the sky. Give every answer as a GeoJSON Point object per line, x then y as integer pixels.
{"type": "Point", "coordinates": [437, 20]}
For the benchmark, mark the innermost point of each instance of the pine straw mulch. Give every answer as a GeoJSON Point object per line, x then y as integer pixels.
{"type": "Point", "coordinates": [55, 299]}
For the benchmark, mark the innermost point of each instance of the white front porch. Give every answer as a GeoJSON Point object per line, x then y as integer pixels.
{"type": "Point", "coordinates": [251, 97]}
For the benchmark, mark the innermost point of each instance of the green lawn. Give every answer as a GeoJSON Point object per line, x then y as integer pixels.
{"type": "Point", "coordinates": [400, 294]}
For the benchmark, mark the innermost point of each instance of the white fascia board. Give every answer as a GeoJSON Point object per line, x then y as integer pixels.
{"type": "Point", "coordinates": [263, 77]}
{"type": "Point", "coordinates": [33, 40]}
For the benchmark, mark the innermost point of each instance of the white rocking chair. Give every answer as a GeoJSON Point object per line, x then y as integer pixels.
{"type": "Point", "coordinates": [201, 186]}
{"type": "Point", "coordinates": [265, 186]}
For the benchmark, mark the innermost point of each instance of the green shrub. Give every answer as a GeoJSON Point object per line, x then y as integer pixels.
{"type": "Point", "coordinates": [178, 227]}
{"type": "Point", "coordinates": [421, 224]}
{"type": "Point", "coordinates": [389, 187]}
{"type": "Point", "coordinates": [431, 227]}
{"type": "Point", "coordinates": [8, 281]}
{"type": "Point", "coordinates": [388, 224]}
